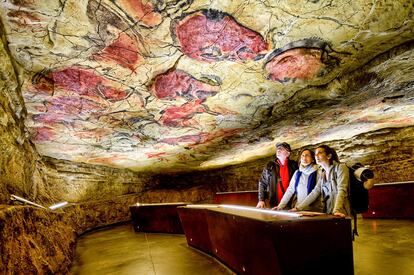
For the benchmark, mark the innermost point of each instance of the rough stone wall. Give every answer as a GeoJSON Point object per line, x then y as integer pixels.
{"type": "Point", "coordinates": [89, 215]}
{"type": "Point", "coordinates": [38, 241]}
{"type": "Point", "coordinates": [34, 241]}
{"type": "Point", "coordinates": [45, 240]}
{"type": "Point", "coordinates": [389, 152]}
{"type": "Point", "coordinates": [31, 240]}
{"type": "Point", "coordinates": [18, 159]}
{"type": "Point", "coordinates": [77, 182]}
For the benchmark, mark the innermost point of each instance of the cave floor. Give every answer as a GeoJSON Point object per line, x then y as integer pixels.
{"type": "Point", "coordinates": [384, 246]}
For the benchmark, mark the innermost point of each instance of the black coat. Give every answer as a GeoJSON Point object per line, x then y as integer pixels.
{"type": "Point", "coordinates": [270, 176]}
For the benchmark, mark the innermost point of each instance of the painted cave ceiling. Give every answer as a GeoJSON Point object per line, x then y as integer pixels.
{"type": "Point", "coordinates": [185, 85]}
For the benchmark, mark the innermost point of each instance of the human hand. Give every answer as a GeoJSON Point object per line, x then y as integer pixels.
{"type": "Point", "coordinates": [261, 204]}
{"type": "Point", "coordinates": [277, 208]}
{"type": "Point", "coordinates": [369, 184]}
{"type": "Point", "coordinates": [339, 214]}
{"type": "Point", "coordinates": [294, 209]}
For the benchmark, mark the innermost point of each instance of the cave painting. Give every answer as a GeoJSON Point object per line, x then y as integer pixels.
{"type": "Point", "coordinates": [124, 12]}
{"type": "Point", "coordinates": [303, 60]}
{"type": "Point", "coordinates": [24, 18]}
{"type": "Point", "coordinates": [177, 83]}
{"type": "Point", "coordinates": [139, 11]}
{"type": "Point", "coordinates": [42, 134]}
{"type": "Point", "coordinates": [69, 95]}
{"type": "Point", "coordinates": [84, 82]}
{"type": "Point", "coordinates": [73, 106]}
{"type": "Point", "coordinates": [203, 137]}
{"type": "Point", "coordinates": [211, 35]}
{"type": "Point", "coordinates": [122, 51]}
{"type": "Point", "coordinates": [206, 35]}
{"type": "Point", "coordinates": [181, 115]}
{"type": "Point", "coordinates": [135, 83]}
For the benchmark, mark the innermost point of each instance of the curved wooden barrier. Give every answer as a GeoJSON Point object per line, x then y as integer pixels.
{"type": "Point", "coordinates": [156, 217]}
{"type": "Point", "coordinates": [253, 241]}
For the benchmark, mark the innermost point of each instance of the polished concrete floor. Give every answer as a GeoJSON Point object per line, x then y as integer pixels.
{"type": "Point", "coordinates": [119, 250]}
{"type": "Point", "coordinates": [383, 247]}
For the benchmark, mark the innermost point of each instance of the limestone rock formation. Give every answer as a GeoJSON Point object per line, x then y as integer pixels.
{"type": "Point", "coordinates": [193, 85]}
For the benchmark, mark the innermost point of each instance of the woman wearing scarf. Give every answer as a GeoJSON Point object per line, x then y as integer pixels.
{"type": "Point", "coordinates": [333, 184]}
{"type": "Point", "coordinates": [302, 183]}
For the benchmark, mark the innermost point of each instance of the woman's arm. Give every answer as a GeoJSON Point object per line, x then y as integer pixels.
{"type": "Point", "coordinates": [316, 192]}
{"type": "Point", "coordinates": [342, 181]}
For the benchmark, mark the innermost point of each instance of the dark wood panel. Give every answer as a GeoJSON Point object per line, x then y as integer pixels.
{"type": "Point", "coordinates": [391, 200]}
{"type": "Point", "coordinates": [243, 244]}
{"type": "Point", "coordinates": [157, 217]}
{"type": "Point", "coordinates": [247, 198]}
{"type": "Point", "coordinates": [195, 226]}
{"type": "Point", "coordinates": [251, 242]}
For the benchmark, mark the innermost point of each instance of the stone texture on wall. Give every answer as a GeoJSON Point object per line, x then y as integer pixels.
{"type": "Point", "coordinates": [89, 215]}
{"type": "Point", "coordinates": [33, 241]}
{"type": "Point", "coordinates": [38, 241]}
{"type": "Point", "coordinates": [389, 152]}
{"type": "Point", "coordinates": [18, 159]}
{"type": "Point", "coordinates": [78, 182]}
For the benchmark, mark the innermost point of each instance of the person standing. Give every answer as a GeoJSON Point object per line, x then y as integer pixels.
{"type": "Point", "coordinates": [333, 184]}
{"type": "Point", "coordinates": [302, 183]}
{"type": "Point", "coordinates": [276, 176]}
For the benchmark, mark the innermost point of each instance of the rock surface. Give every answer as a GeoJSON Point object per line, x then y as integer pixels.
{"type": "Point", "coordinates": [38, 241]}
{"type": "Point", "coordinates": [194, 85]}
{"type": "Point", "coordinates": [33, 241]}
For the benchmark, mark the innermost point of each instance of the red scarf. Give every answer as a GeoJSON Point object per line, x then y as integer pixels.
{"type": "Point", "coordinates": [284, 176]}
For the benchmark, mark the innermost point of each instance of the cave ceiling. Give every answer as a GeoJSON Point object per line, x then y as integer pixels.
{"type": "Point", "coordinates": [186, 85]}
